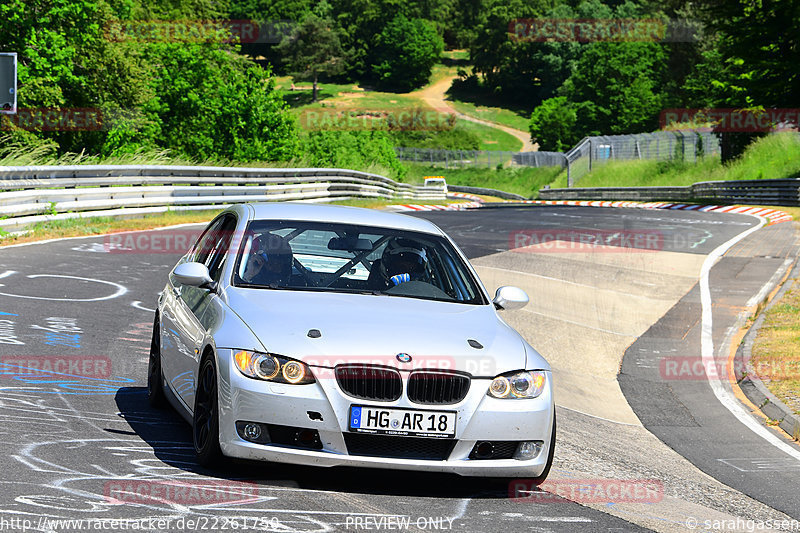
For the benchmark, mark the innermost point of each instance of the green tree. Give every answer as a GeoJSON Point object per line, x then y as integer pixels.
{"type": "Point", "coordinates": [198, 98]}
{"type": "Point", "coordinates": [753, 62]}
{"type": "Point", "coordinates": [759, 46]}
{"type": "Point", "coordinates": [65, 62]}
{"type": "Point", "coordinates": [362, 21]}
{"type": "Point", "coordinates": [617, 87]}
{"type": "Point", "coordinates": [553, 125]}
{"type": "Point", "coordinates": [405, 52]}
{"type": "Point", "coordinates": [313, 49]}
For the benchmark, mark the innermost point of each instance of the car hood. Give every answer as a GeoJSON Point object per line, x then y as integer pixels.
{"type": "Point", "coordinates": [358, 328]}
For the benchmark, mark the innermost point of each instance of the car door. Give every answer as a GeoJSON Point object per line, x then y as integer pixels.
{"type": "Point", "coordinates": [191, 302]}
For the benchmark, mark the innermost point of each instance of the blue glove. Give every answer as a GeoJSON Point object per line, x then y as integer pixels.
{"type": "Point", "coordinates": [400, 278]}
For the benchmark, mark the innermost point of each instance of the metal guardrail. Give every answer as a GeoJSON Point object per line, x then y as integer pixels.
{"type": "Point", "coordinates": [785, 192]}
{"type": "Point", "coordinates": [33, 194]}
{"type": "Point", "coordinates": [485, 191]}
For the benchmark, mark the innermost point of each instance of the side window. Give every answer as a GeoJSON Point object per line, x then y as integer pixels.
{"type": "Point", "coordinates": [216, 256]}
{"type": "Point", "coordinates": [206, 243]}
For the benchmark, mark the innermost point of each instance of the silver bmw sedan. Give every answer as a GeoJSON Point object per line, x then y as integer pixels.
{"type": "Point", "coordinates": [323, 335]}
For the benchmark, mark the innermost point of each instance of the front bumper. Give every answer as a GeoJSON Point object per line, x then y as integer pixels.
{"type": "Point", "coordinates": [479, 418]}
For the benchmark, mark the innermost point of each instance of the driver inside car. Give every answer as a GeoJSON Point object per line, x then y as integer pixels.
{"type": "Point", "coordinates": [403, 260]}
{"type": "Point", "coordinates": [270, 261]}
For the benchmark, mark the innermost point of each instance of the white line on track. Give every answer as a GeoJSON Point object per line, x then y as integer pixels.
{"type": "Point", "coordinates": [119, 292]}
{"type": "Point", "coordinates": [725, 397]}
{"type": "Point", "coordinates": [138, 305]}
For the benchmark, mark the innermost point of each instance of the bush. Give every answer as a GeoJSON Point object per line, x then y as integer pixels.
{"type": "Point", "coordinates": [553, 125]}
{"type": "Point", "coordinates": [212, 103]}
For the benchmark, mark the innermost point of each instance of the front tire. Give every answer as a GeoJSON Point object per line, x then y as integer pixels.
{"type": "Point", "coordinates": [538, 480]}
{"type": "Point", "coordinates": [155, 377]}
{"type": "Point", "coordinates": [205, 422]}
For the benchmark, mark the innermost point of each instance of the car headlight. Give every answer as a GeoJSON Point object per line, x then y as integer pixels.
{"type": "Point", "coordinates": [271, 367]}
{"type": "Point", "coordinates": [518, 385]}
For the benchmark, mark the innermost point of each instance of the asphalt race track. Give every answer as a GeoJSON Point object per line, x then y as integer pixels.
{"type": "Point", "coordinates": [78, 439]}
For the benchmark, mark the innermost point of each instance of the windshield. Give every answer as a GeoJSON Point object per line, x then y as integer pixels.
{"type": "Point", "coordinates": [319, 256]}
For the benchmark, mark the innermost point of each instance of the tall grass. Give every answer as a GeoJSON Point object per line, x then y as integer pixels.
{"type": "Point", "coordinates": [29, 152]}
{"type": "Point", "coordinates": [15, 152]}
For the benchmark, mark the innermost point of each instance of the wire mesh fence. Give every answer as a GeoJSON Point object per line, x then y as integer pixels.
{"type": "Point", "coordinates": [688, 146]}
{"type": "Point", "coordinates": [479, 158]}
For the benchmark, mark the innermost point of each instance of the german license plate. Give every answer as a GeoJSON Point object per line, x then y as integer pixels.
{"type": "Point", "coordinates": [403, 422]}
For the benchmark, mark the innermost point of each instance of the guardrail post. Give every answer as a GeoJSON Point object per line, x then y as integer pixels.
{"type": "Point", "coordinates": [590, 155]}
{"type": "Point", "coordinates": [569, 174]}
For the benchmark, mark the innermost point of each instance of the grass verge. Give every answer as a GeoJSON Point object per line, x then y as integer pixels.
{"type": "Point", "coordinates": [498, 115]}
{"type": "Point", "coordinates": [492, 138]}
{"type": "Point", "coordinates": [776, 350]}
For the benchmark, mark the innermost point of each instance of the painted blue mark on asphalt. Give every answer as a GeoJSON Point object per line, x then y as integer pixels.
{"type": "Point", "coordinates": [8, 314]}
{"type": "Point", "coordinates": [64, 383]}
{"type": "Point", "coordinates": [71, 340]}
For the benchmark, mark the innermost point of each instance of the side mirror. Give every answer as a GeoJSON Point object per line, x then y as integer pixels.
{"type": "Point", "coordinates": [194, 274]}
{"type": "Point", "coordinates": [510, 298]}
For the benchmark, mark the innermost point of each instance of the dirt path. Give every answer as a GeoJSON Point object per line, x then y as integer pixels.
{"type": "Point", "coordinates": [436, 97]}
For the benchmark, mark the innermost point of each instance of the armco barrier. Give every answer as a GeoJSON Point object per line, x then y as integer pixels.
{"type": "Point", "coordinates": [749, 192]}
{"type": "Point", "coordinates": [485, 191]}
{"type": "Point", "coordinates": [33, 194]}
